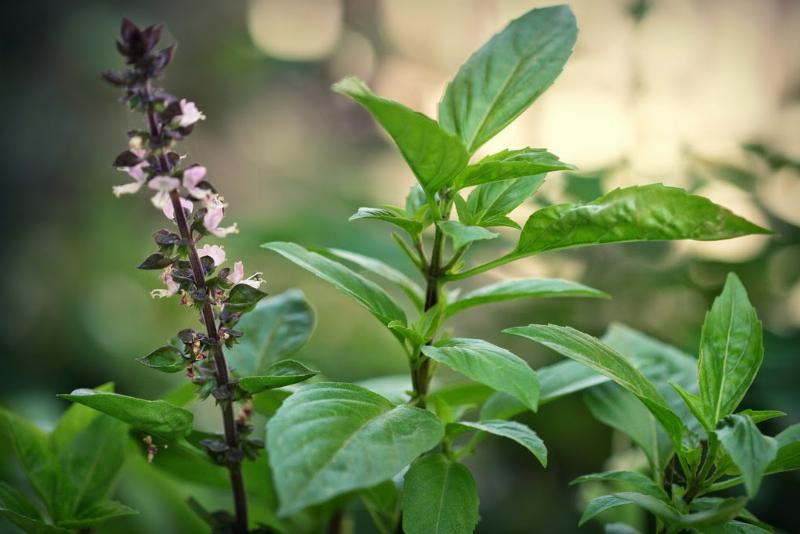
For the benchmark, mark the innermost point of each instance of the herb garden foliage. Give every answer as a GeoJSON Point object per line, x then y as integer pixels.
{"type": "Point", "coordinates": [685, 418]}
{"type": "Point", "coordinates": [331, 439]}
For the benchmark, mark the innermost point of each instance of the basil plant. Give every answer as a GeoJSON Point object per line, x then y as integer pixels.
{"type": "Point", "coordinates": [403, 456]}
{"type": "Point", "coordinates": [682, 413]}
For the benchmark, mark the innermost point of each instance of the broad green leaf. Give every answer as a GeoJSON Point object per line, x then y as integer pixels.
{"type": "Point", "coordinates": [510, 164]}
{"type": "Point", "coordinates": [167, 359]}
{"type": "Point", "coordinates": [434, 155]}
{"type": "Point", "coordinates": [635, 481]}
{"type": "Point", "coordinates": [35, 456]}
{"type": "Point", "coordinates": [641, 213]}
{"type": "Point", "coordinates": [652, 504]}
{"type": "Point", "coordinates": [409, 287]}
{"type": "Point", "coordinates": [489, 364]}
{"type": "Point", "coordinates": [98, 512]}
{"type": "Point", "coordinates": [365, 292]}
{"type": "Point", "coordinates": [788, 457]}
{"type": "Point", "coordinates": [750, 451]}
{"type": "Point", "coordinates": [77, 418]}
{"type": "Point", "coordinates": [618, 408]}
{"type": "Point", "coordinates": [242, 298]}
{"type": "Point", "coordinates": [275, 329]}
{"type": "Point", "coordinates": [731, 351]}
{"type": "Point", "coordinates": [439, 497]}
{"type": "Point", "coordinates": [593, 353]}
{"type": "Point", "coordinates": [278, 375]}
{"type": "Point", "coordinates": [91, 462]}
{"type": "Point", "coordinates": [514, 431]}
{"type": "Point", "coordinates": [330, 438]}
{"type": "Point", "coordinates": [389, 214]}
{"type": "Point", "coordinates": [505, 76]}
{"type": "Point", "coordinates": [462, 235]}
{"type": "Point", "coordinates": [156, 416]}
{"type": "Point", "coordinates": [267, 402]}
{"type": "Point", "coordinates": [489, 204]}
{"type": "Point", "coordinates": [517, 289]}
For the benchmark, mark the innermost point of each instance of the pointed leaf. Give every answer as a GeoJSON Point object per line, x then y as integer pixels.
{"type": "Point", "coordinates": [489, 364]}
{"type": "Point", "coordinates": [434, 155]}
{"type": "Point", "coordinates": [77, 418]}
{"type": "Point", "coordinates": [592, 352]}
{"type": "Point", "coordinates": [98, 513]}
{"type": "Point", "coordinates": [514, 431]}
{"type": "Point", "coordinates": [759, 416]}
{"type": "Point", "coordinates": [365, 292]}
{"type": "Point", "coordinates": [636, 481]}
{"type": "Point", "coordinates": [156, 416]}
{"type": "Point", "coordinates": [278, 375]}
{"type": "Point", "coordinates": [439, 497]}
{"type": "Point", "coordinates": [488, 204]}
{"type": "Point", "coordinates": [167, 359]}
{"type": "Point", "coordinates": [507, 74]}
{"type": "Point", "coordinates": [14, 501]}
{"type": "Point", "coordinates": [750, 450]}
{"type": "Point", "coordinates": [641, 213]}
{"type": "Point", "coordinates": [652, 504]}
{"type": "Point", "coordinates": [391, 215]}
{"type": "Point", "coordinates": [510, 164]}
{"type": "Point", "coordinates": [525, 288]}
{"type": "Point", "coordinates": [331, 438]}
{"type": "Point", "coordinates": [731, 351]}
{"type": "Point", "coordinates": [275, 329]}
{"type": "Point", "coordinates": [463, 235]}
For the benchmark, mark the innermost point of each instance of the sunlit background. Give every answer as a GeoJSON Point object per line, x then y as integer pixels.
{"type": "Point", "coordinates": [703, 95]}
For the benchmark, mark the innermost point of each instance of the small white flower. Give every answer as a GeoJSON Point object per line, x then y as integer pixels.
{"type": "Point", "coordinates": [215, 211]}
{"type": "Point", "coordinates": [237, 276]}
{"type": "Point", "coordinates": [189, 113]}
{"type": "Point", "coordinates": [137, 172]}
{"type": "Point", "coordinates": [169, 209]}
{"type": "Point", "coordinates": [162, 184]}
{"type": "Point", "coordinates": [191, 177]}
{"type": "Point", "coordinates": [215, 252]}
{"type": "Point", "coordinates": [172, 285]}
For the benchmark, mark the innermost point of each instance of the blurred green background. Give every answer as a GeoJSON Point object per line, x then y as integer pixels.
{"type": "Point", "coordinates": [688, 93]}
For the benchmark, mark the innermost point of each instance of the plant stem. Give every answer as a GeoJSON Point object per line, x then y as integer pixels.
{"type": "Point", "coordinates": [223, 377]}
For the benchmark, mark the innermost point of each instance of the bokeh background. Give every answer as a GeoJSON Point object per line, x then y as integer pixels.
{"type": "Point", "coordinates": [699, 94]}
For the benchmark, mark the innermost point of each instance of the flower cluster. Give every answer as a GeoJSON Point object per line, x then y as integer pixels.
{"type": "Point", "coordinates": [152, 162]}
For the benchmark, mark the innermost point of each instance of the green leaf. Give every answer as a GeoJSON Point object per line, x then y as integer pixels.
{"type": "Point", "coordinates": [463, 235]}
{"type": "Point", "coordinates": [167, 359]}
{"type": "Point", "coordinates": [76, 419]}
{"type": "Point", "coordinates": [652, 504]}
{"type": "Point", "coordinates": [98, 513]}
{"type": "Point", "coordinates": [267, 402]}
{"type": "Point", "coordinates": [514, 431]}
{"type": "Point", "coordinates": [731, 351]}
{"type": "Point", "coordinates": [242, 298]}
{"type": "Point", "coordinates": [330, 438]}
{"type": "Point", "coordinates": [439, 497]}
{"type": "Point", "coordinates": [525, 288]}
{"type": "Point", "coordinates": [751, 451]}
{"type": "Point", "coordinates": [593, 353]}
{"type": "Point", "coordinates": [389, 214]}
{"type": "Point", "coordinates": [641, 213]}
{"type": "Point", "coordinates": [275, 329]}
{"type": "Point", "coordinates": [30, 525]}
{"type": "Point", "coordinates": [489, 364]}
{"type": "Point", "coordinates": [91, 462]}
{"type": "Point", "coordinates": [735, 527]}
{"type": "Point", "coordinates": [279, 374]}
{"type": "Point", "coordinates": [510, 164]}
{"type": "Point", "coordinates": [434, 155]}
{"type": "Point", "coordinates": [507, 74]}
{"type": "Point", "coordinates": [788, 457]}
{"type": "Point", "coordinates": [155, 416]}
{"type": "Point", "coordinates": [488, 204]}
{"type": "Point", "coordinates": [759, 416]}
{"type": "Point", "coordinates": [635, 481]}
{"type": "Point", "coordinates": [365, 292]}
{"type": "Point", "coordinates": [35, 456]}
{"type": "Point", "coordinates": [15, 505]}
{"type": "Point", "coordinates": [409, 287]}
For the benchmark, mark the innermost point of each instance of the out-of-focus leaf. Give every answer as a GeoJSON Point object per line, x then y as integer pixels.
{"type": "Point", "coordinates": [330, 438]}
{"type": "Point", "coordinates": [434, 155]}
{"type": "Point", "coordinates": [76, 419]}
{"type": "Point", "coordinates": [155, 416]}
{"type": "Point", "coordinates": [489, 364]}
{"type": "Point", "coordinates": [635, 481]}
{"type": "Point", "coordinates": [275, 329]}
{"type": "Point", "coordinates": [97, 513]}
{"type": "Point", "coordinates": [505, 76]}
{"type": "Point", "coordinates": [439, 497]}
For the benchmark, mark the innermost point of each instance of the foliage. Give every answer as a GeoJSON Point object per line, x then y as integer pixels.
{"type": "Point", "coordinates": [711, 446]}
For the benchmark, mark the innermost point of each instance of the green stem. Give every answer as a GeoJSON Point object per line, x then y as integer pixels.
{"type": "Point", "coordinates": [479, 269]}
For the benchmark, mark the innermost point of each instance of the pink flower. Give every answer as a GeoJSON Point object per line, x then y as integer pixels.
{"type": "Point", "coordinates": [237, 276]}
{"type": "Point", "coordinates": [169, 209]}
{"type": "Point", "coordinates": [172, 285]}
{"type": "Point", "coordinates": [162, 184]}
{"type": "Point", "coordinates": [189, 113]}
{"type": "Point", "coordinates": [191, 177]}
{"type": "Point", "coordinates": [215, 211]}
{"type": "Point", "coordinates": [137, 172]}
{"type": "Point", "coordinates": [215, 252]}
